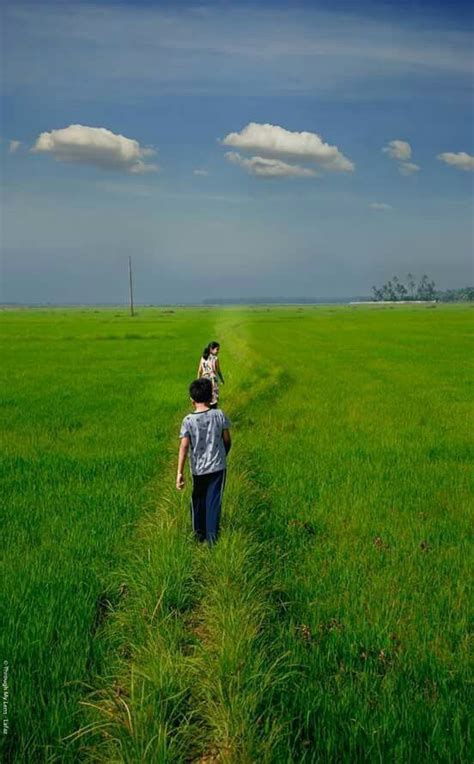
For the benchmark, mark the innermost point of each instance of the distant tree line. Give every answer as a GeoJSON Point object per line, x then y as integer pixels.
{"type": "Point", "coordinates": [395, 291]}
{"type": "Point", "coordinates": [465, 294]}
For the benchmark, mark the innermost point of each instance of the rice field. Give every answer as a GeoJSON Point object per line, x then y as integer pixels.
{"type": "Point", "coordinates": [331, 621]}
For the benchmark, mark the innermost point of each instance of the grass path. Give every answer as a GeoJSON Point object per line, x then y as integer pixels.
{"type": "Point", "coordinates": [189, 659]}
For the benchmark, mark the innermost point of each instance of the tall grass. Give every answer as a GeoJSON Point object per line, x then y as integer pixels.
{"type": "Point", "coordinates": [88, 413]}
{"type": "Point", "coordinates": [366, 461]}
{"type": "Point", "coordinates": [330, 622]}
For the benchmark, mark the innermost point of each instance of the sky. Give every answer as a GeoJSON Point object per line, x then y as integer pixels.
{"type": "Point", "coordinates": [233, 149]}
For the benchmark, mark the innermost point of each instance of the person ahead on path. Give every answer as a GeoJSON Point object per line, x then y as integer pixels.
{"type": "Point", "coordinates": [205, 436]}
{"type": "Point", "coordinates": [209, 367]}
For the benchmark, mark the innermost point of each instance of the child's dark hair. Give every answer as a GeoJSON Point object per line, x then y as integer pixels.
{"type": "Point", "coordinates": [201, 390]}
{"type": "Point", "coordinates": [207, 350]}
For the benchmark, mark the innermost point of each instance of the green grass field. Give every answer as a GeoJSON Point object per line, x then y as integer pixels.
{"type": "Point", "coordinates": [331, 621]}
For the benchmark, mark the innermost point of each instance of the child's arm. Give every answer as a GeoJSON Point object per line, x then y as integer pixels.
{"type": "Point", "coordinates": [218, 370]}
{"type": "Point", "coordinates": [227, 440]}
{"type": "Point", "coordinates": [182, 456]}
{"type": "Point", "coordinates": [198, 376]}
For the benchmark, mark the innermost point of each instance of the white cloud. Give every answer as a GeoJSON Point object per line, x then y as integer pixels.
{"type": "Point", "coordinates": [265, 167]}
{"type": "Point", "coordinates": [408, 168]}
{"type": "Point", "coordinates": [398, 149]}
{"type": "Point", "coordinates": [276, 142]}
{"type": "Point", "coordinates": [200, 171]}
{"type": "Point", "coordinates": [14, 146]}
{"type": "Point", "coordinates": [401, 152]}
{"type": "Point", "coordinates": [95, 146]}
{"type": "Point", "coordinates": [380, 206]}
{"type": "Point", "coordinates": [461, 160]}
{"type": "Point", "coordinates": [140, 168]}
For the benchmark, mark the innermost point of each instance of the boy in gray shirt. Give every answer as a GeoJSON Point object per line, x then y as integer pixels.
{"type": "Point", "coordinates": [205, 436]}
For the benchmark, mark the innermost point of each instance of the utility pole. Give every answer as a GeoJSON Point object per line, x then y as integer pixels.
{"type": "Point", "coordinates": [130, 285]}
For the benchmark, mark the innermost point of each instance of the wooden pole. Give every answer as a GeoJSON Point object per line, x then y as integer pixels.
{"type": "Point", "coordinates": [130, 285]}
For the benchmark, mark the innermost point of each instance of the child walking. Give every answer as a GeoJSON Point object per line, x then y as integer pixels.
{"type": "Point", "coordinates": [209, 367]}
{"type": "Point", "coordinates": [205, 436]}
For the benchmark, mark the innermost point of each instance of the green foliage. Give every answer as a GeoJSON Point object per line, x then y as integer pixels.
{"type": "Point", "coordinates": [87, 419]}
{"type": "Point", "coordinates": [394, 290]}
{"type": "Point", "coordinates": [465, 294]}
{"type": "Point", "coordinates": [330, 622]}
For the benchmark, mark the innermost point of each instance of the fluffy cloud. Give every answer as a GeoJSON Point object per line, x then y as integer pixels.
{"type": "Point", "coordinates": [277, 143]}
{"type": "Point", "coordinates": [461, 160]}
{"type": "Point", "coordinates": [401, 152]}
{"type": "Point", "coordinates": [95, 146]}
{"type": "Point", "coordinates": [398, 150]}
{"type": "Point", "coordinates": [408, 168]}
{"type": "Point", "coordinates": [14, 146]}
{"type": "Point", "coordinates": [264, 167]}
{"type": "Point", "coordinates": [380, 206]}
{"type": "Point", "coordinates": [200, 171]}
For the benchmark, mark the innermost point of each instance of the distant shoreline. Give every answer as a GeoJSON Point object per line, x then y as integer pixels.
{"type": "Point", "coordinates": [352, 302]}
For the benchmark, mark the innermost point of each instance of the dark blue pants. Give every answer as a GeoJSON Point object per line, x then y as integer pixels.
{"type": "Point", "coordinates": [206, 503]}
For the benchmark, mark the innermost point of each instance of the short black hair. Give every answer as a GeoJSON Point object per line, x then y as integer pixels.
{"type": "Point", "coordinates": [201, 390]}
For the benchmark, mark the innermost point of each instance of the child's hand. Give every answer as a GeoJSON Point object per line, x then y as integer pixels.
{"type": "Point", "coordinates": [180, 481]}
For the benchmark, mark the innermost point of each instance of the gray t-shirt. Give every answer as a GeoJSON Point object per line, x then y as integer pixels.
{"type": "Point", "coordinates": [204, 429]}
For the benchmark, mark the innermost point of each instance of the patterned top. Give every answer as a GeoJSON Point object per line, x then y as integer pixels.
{"type": "Point", "coordinates": [204, 429]}
{"type": "Point", "coordinates": [208, 369]}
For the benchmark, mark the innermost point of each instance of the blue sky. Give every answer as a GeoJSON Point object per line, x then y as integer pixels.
{"type": "Point", "coordinates": [176, 80]}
